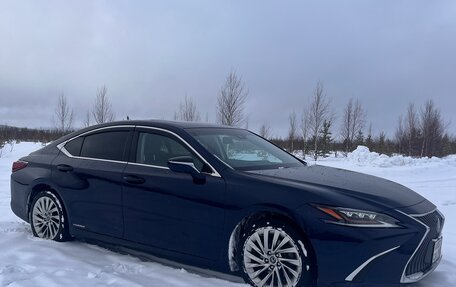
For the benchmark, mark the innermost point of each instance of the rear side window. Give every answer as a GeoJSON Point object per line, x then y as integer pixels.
{"type": "Point", "coordinates": [74, 146]}
{"type": "Point", "coordinates": [106, 145]}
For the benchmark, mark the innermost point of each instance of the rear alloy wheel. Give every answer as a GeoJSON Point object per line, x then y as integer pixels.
{"type": "Point", "coordinates": [47, 218]}
{"type": "Point", "coordinates": [272, 256]}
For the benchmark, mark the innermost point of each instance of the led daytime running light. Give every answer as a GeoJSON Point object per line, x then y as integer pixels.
{"type": "Point", "coordinates": [357, 218]}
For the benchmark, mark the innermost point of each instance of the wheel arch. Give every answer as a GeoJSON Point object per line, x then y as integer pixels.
{"type": "Point", "coordinates": [260, 214]}
{"type": "Point", "coordinates": [39, 186]}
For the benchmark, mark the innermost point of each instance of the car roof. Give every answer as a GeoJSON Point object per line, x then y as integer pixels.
{"type": "Point", "coordinates": [164, 124]}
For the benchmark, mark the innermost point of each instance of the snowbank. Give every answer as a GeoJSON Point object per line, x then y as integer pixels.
{"type": "Point", "coordinates": [363, 157]}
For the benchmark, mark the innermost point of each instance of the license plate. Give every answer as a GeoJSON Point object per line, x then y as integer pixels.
{"type": "Point", "coordinates": [437, 249]}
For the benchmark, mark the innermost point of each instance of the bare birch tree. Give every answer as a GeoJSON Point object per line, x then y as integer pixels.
{"type": "Point", "coordinates": [305, 125]}
{"type": "Point", "coordinates": [408, 132]}
{"type": "Point", "coordinates": [230, 102]}
{"type": "Point", "coordinates": [265, 131]}
{"type": "Point", "coordinates": [346, 125]}
{"type": "Point", "coordinates": [352, 123]}
{"type": "Point", "coordinates": [369, 138]}
{"type": "Point", "coordinates": [86, 121]}
{"type": "Point", "coordinates": [400, 135]}
{"type": "Point", "coordinates": [187, 111]}
{"type": "Point", "coordinates": [102, 109]}
{"type": "Point", "coordinates": [412, 129]}
{"type": "Point", "coordinates": [319, 111]}
{"type": "Point", "coordinates": [433, 129]}
{"type": "Point", "coordinates": [421, 133]}
{"type": "Point", "coordinates": [292, 130]}
{"type": "Point", "coordinates": [63, 115]}
{"type": "Point", "coordinates": [359, 120]}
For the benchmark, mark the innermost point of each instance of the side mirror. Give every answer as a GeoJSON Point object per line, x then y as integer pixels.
{"type": "Point", "coordinates": [184, 164]}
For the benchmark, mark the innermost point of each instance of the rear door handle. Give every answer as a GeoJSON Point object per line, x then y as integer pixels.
{"type": "Point", "coordinates": [64, 167]}
{"type": "Point", "coordinates": [133, 179]}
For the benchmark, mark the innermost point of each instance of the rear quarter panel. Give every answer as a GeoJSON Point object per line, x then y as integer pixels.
{"type": "Point", "coordinates": [37, 172]}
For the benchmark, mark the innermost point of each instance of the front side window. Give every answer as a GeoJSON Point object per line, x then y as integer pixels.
{"type": "Point", "coordinates": [243, 150]}
{"type": "Point", "coordinates": [156, 150]}
{"type": "Point", "coordinates": [105, 145]}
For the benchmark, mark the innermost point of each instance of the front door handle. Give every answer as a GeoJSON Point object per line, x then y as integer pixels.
{"type": "Point", "coordinates": [64, 167]}
{"type": "Point", "coordinates": [133, 179]}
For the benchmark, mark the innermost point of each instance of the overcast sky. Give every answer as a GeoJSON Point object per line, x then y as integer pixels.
{"type": "Point", "coordinates": [150, 54]}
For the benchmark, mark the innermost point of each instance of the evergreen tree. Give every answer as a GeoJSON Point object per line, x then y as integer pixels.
{"type": "Point", "coordinates": [381, 143]}
{"type": "Point", "coordinates": [325, 138]}
{"type": "Point", "coordinates": [369, 141]}
{"type": "Point", "coordinates": [359, 140]}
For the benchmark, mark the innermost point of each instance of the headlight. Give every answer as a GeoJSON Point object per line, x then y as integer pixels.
{"type": "Point", "coordinates": [357, 218]}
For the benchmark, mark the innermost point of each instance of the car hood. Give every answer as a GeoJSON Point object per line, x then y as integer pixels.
{"type": "Point", "coordinates": [359, 185]}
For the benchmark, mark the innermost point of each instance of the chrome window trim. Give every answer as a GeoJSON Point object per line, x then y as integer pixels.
{"type": "Point", "coordinates": [148, 165]}
{"type": "Point", "coordinates": [61, 147]}
{"type": "Point", "coordinates": [98, 159]}
{"type": "Point", "coordinates": [405, 278]}
{"type": "Point", "coordinates": [362, 266]}
{"type": "Point", "coordinates": [162, 167]}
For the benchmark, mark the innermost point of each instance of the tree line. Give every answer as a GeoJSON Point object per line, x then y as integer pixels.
{"type": "Point", "coordinates": [9, 136]}
{"type": "Point", "coordinates": [422, 131]}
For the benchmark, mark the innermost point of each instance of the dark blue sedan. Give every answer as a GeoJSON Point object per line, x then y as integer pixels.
{"type": "Point", "coordinates": [228, 200]}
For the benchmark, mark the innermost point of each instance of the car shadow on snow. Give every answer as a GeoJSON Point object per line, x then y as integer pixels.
{"type": "Point", "coordinates": [147, 257]}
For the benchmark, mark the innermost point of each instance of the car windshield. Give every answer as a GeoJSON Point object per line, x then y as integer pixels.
{"type": "Point", "coordinates": [243, 150]}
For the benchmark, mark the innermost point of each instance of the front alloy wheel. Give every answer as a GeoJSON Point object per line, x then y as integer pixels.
{"type": "Point", "coordinates": [271, 257]}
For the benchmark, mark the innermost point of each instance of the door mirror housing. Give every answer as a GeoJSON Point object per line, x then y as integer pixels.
{"type": "Point", "coordinates": [185, 164]}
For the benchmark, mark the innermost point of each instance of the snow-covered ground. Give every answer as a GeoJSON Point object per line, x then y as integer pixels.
{"type": "Point", "coordinates": [27, 261]}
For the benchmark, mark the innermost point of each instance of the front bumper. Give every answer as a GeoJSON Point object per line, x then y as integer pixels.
{"type": "Point", "coordinates": [353, 256]}
{"type": "Point", "coordinates": [422, 262]}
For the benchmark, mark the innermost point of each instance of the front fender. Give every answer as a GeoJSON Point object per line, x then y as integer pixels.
{"type": "Point", "coordinates": [235, 224]}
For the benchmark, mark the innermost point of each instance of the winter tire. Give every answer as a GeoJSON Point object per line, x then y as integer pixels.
{"type": "Point", "coordinates": [47, 217]}
{"type": "Point", "coordinates": [272, 254]}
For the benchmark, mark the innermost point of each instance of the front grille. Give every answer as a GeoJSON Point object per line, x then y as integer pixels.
{"type": "Point", "coordinates": [422, 259]}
